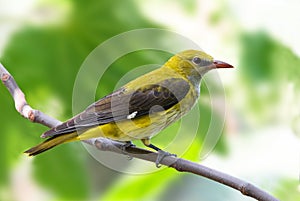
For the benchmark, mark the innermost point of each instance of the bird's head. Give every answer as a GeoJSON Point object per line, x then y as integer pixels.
{"type": "Point", "coordinates": [195, 63]}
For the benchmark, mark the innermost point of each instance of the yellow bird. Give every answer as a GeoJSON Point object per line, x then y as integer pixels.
{"type": "Point", "coordinates": [140, 109]}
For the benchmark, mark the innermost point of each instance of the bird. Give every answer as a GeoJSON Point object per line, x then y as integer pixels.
{"type": "Point", "coordinates": [141, 108]}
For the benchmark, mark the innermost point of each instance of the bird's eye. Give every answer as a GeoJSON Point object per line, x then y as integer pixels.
{"type": "Point", "coordinates": [196, 60]}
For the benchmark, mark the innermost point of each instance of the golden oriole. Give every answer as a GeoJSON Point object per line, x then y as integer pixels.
{"type": "Point", "coordinates": [141, 108]}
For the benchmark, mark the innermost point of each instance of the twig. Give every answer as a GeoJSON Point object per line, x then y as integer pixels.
{"type": "Point", "coordinates": [21, 104]}
{"type": "Point", "coordinates": [103, 144]}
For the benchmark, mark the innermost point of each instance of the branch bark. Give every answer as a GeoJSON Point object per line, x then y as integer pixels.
{"type": "Point", "coordinates": [104, 144]}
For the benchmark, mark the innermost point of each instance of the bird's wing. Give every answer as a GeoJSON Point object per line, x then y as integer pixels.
{"type": "Point", "coordinates": [124, 104]}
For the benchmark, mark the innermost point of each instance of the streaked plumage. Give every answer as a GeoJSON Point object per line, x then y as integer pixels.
{"type": "Point", "coordinates": [141, 108]}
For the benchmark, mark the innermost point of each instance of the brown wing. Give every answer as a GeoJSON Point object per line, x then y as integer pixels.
{"type": "Point", "coordinates": [124, 104]}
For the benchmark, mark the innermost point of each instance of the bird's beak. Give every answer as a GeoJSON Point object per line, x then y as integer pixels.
{"type": "Point", "coordinates": [221, 64]}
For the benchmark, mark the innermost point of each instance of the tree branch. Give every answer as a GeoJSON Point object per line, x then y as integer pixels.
{"type": "Point", "coordinates": [104, 144]}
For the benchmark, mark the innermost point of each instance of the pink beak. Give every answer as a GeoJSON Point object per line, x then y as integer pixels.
{"type": "Point", "coordinates": [221, 64]}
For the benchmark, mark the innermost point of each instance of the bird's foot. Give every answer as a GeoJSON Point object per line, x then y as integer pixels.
{"type": "Point", "coordinates": [161, 155]}
{"type": "Point", "coordinates": [125, 146]}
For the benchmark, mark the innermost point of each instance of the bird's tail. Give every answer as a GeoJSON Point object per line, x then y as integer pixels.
{"type": "Point", "coordinates": [51, 142]}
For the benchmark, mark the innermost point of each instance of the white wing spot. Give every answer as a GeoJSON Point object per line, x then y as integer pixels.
{"type": "Point", "coordinates": [132, 115]}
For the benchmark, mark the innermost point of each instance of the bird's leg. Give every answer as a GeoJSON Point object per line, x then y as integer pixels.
{"type": "Point", "coordinates": [125, 146]}
{"type": "Point", "coordinates": [161, 153]}
{"type": "Point", "coordinates": [128, 144]}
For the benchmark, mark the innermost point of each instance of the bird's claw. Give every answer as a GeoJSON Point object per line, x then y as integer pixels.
{"type": "Point", "coordinates": [125, 146]}
{"type": "Point", "coordinates": [160, 156]}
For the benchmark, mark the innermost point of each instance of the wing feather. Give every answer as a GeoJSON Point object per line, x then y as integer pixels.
{"type": "Point", "coordinates": [118, 105]}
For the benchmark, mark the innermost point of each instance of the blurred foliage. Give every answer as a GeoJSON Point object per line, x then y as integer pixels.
{"type": "Point", "coordinates": [266, 67]}
{"type": "Point", "coordinates": [288, 189]}
{"type": "Point", "coordinates": [64, 173]}
{"type": "Point", "coordinates": [256, 59]}
{"type": "Point", "coordinates": [265, 59]}
{"type": "Point", "coordinates": [146, 187]}
{"type": "Point", "coordinates": [45, 59]}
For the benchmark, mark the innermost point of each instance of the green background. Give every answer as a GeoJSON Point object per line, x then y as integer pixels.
{"type": "Point", "coordinates": [44, 59]}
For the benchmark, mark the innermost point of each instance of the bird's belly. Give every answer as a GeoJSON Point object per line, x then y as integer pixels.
{"type": "Point", "coordinates": [135, 129]}
{"type": "Point", "coordinates": [140, 128]}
